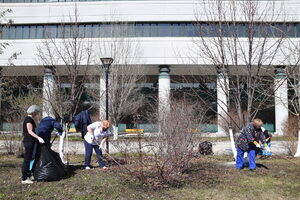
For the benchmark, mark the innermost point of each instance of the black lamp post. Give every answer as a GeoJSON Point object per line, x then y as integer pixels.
{"type": "Point", "coordinates": [106, 63]}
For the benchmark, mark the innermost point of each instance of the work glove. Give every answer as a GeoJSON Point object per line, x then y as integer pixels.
{"type": "Point", "coordinates": [268, 149]}
{"type": "Point", "coordinates": [41, 140]}
{"type": "Point", "coordinates": [101, 146]}
{"type": "Point", "coordinates": [257, 145]}
{"type": "Point", "coordinates": [59, 133]}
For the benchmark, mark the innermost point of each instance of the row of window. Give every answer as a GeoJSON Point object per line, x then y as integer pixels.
{"type": "Point", "coordinates": [97, 30]}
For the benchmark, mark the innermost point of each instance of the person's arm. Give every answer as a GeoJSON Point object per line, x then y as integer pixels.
{"type": "Point", "coordinates": [30, 131]}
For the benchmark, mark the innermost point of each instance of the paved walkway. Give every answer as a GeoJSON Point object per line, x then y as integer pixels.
{"type": "Point", "coordinates": [71, 147]}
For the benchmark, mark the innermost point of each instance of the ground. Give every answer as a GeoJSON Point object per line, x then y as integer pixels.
{"type": "Point", "coordinates": [208, 178]}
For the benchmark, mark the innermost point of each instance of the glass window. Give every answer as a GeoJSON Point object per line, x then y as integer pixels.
{"type": "Point", "coordinates": [5, 32]}
{"type": "Point", "coordinates": [40, 32]}
{"type": "Point", "coordinates": [191, 30]}
{"type": "Point", "coordinates": [26, 32]}
{"type": "Point", "coordinates": [105, 30]}
{"type": "Point", "coordinates": [81, 30]}
{"type": "Point", "coordinates": [164, 30]}
{"type": "Point", "coordinates": [19, 32]}
{"type": "Point", "coordinates": [95, 30]}
{"type": "Point", "coordinates": [12, 32]}
{"type": "Point", "coordinates": [139, 30]}
{"type": "Point", "coordinates": [297, 29]}
{"type": "Point", "coordinates": [154, 31]}
{"type": "Point", "coordinates": [32, 34]}
{"type": "Point", "coordinates": [50, 31]}
{"type": "Point", "coordinates": [88, 30]}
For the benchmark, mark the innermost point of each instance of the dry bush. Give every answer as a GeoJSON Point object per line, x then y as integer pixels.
{"type": "Point", "coordinates": [164, 156]}
{"type": "Point", "coordinates": [291, 134]}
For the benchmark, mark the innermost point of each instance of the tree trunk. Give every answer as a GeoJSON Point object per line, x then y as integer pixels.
{"type": "Point", "coordinates": [297, 154]}
{"type": "Point", "coordinates": [115, 132]}
{"type": "Point", "coordinates": [61, 147]}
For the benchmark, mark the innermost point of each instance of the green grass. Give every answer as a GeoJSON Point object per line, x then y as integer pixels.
{"type": "Point", "coordinates": [207, 178]}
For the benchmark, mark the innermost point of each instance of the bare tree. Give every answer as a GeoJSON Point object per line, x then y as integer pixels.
{"type": "Point", "coordinates": [69, 60]}
{"type": "Point", "coordinates": [243, 43]}
{"type": "Point", "coordinates": [125, 77]}
{"type": "Point", "coordinates": [293, 79]}
{"type": "Point", "coordinates": [244, 52]}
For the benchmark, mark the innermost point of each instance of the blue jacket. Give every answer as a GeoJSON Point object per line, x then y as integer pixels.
{"type": "Point", "coordinates": [248, 135]}
{"type": "Point", "coordinates": [46, 127]}
{"type": "Point", "coordinates": [81, 121]}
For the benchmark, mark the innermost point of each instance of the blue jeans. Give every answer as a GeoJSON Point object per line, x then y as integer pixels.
{"type": "Point", "coordinates": [264, 152]}
{"type": "Point", "coordinates": [89, 152]}
{"type": "Point", "coordinates": [240, 158]}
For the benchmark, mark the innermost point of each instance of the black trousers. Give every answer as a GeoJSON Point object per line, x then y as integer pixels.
{"type": "Point", "coordinates": [28, 155]}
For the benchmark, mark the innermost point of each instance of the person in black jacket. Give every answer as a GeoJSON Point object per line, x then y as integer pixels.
{"type": "Point", "coordinates": [29, 140]}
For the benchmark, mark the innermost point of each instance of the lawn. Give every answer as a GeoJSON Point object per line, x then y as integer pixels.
{"type": "Point", "coordinates": [208, 178]}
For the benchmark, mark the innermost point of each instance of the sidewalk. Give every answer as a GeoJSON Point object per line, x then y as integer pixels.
{"type": "Point", "coordinates": [72, 147]}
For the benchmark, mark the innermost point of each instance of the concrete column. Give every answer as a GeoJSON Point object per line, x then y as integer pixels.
{"type": "Point", "coordinates": [222, 101]}
{"type": "Point", "coordinates": [102, 100]}
{"type": "Point", "coordinates": [281, 100]}
{"type": "Point", "coordinates": [48, 92]}
{"type": "Point", "coordinates": [164, 83]}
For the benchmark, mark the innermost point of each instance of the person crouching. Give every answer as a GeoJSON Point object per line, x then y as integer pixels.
{"type": "Point", "coordinates": [248, 141]}
{"type": "Point", "coordinates": [94, 139]}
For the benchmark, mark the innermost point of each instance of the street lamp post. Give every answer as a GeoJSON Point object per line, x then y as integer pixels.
{"type": "Point", "coordinates": [106, 63]}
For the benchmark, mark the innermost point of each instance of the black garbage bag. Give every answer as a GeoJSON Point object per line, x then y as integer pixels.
{"type": "Point", "coordinates": [205, 148]}
{"type": "Point", "coordinates": [49, 166]}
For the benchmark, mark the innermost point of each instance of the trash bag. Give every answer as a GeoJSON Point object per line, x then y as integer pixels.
{"type": "Point", "coordinates": [49, 166]}
{"type": "Point", "coordinates": [205, 148]}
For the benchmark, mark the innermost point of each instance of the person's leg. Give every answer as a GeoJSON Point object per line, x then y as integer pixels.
{"type": "Point", "coordinates": [99, 155]}
{"type": "Point", "coordinates": [27, 157]}
{"type": "Point", "coordinates": [251, 156]}
{"type": "Point", "coordinates": [88, 154]}
{"type": "Point", "coordinates": [239, 158]}
{"type": "Point", "coordinates": [37, 153]}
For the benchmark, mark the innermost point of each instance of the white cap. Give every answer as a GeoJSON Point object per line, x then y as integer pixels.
{"type": "Point", "coordinates": [33, 109]}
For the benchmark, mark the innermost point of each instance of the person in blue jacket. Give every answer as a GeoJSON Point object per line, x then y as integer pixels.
{"type": "Point", "coordinates": [46, 127]}
{"type": "Point", "coordinates": [248, 141]}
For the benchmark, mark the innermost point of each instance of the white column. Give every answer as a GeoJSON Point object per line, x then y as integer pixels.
{"type": "Point", "coordinates": [48, 92]}
{"type": "Point", "coordinates": [281, 101]}
{"type": "Point", "coordinates": [102, 100]}
{"type": "Point", "coordinates": [222, 101]}
{"type": "Point", "coordinates": [163, 91]}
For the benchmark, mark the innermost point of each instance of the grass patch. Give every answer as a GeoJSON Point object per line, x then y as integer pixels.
{"type": "Point", "coordinates": [207, 178]}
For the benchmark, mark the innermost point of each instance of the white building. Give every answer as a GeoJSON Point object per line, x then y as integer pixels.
{"type": "Point", "coordinates": [166, 31]}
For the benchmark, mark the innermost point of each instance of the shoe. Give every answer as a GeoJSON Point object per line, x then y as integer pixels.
{"type": "Point", "coordinates": [104, 167]}
{"type": "Point", "coordinates": [87, 167]}
{"type": "Point", "coordinates": [252, 170]}
{"type": "Point", "coordinates": [32, 178]}
{"type": "Point", "coordinates": [27, 181]}
{"type": "Point", "coordinates": [239, 169]}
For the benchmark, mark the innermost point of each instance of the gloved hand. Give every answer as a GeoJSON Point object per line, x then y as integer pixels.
{"type": "Point", "coordinates": [59, 133]}
{"type": "Point", "coordinates": [257, 145]}
{"type": "Point", "coordinates": [268, 149]}
{"type": "Point", "coordinates": [41, 140]}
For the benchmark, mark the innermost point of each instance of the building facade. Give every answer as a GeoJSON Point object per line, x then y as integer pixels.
{"type": "Point", "coordinates": [175, 39]}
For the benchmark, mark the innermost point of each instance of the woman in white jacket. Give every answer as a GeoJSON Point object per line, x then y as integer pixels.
{"type": "Point", "coordinates": [94, 139]}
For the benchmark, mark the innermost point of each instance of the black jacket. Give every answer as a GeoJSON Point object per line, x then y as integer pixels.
{"type": "Point", "coordinates": [81, 121]}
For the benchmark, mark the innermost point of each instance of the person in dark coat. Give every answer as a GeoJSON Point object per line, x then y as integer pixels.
{"type": "Point", "coordinates": [46, 127]}
{"type": "Point", "coordinates": [81, 121]}
{"type": "Point", "coordinates": [248, 141]}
